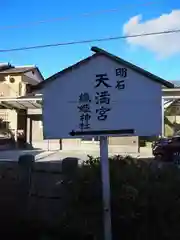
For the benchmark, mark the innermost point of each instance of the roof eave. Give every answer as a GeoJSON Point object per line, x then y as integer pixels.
{"type": "Point", "coordinates": [37, 69]}
{"type": "Point", "coordinates": [22, 72]}
{"type": "Point", "coordinates": [136, 68]}
{"type": "Point", "coordinates": [99, 51]}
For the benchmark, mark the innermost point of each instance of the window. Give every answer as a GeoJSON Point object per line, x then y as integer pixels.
{"type": "Point", "coordinates": [12, 80]}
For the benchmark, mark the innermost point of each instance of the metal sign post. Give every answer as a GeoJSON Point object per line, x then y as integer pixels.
{"type": "Point", "coordinates": [104, 161]}
{"type": "Point", "coordinates": [104, 101]}
{"type": "Point", "coordinates": [105, 186]}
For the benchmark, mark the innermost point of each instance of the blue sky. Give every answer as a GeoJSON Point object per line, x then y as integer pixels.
{"type": "Point", "coordinates": [78, 27]}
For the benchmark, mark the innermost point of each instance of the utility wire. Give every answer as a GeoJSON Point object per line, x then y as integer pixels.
{"type": "Point", "coordinates": [87, 14]}
{"type": "Point", "coordinates": [89, 41]}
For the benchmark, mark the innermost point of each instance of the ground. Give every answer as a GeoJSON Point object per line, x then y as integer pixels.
{"type": "Point", "coordinates": [41, 155]}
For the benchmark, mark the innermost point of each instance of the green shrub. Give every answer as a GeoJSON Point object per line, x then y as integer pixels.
{"type": "Point", "coordinates": [145, 201]}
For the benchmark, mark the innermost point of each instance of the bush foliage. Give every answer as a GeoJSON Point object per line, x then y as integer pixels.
{"type": "Point", "coordinates": [145, 200]}
{"type": "Point", "coordinates": [145, 203]}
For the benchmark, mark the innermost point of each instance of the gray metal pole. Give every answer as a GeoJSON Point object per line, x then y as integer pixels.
{"type": "Point", "coordinates": [105, 186]}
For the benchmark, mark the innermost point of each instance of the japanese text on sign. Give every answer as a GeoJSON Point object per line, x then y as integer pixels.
{"type": "Point", "coordinates": [122, 73]}
{"type": "Point", "coordinates": [102, 98]}
{"type": "Point", "coordinates": [84, 110]}
{"type": "Point", "coordinates": [102, 79]}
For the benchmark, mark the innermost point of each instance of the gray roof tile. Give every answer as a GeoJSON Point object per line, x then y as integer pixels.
{"type": "Point", "coordinates": [17, 69]}
{"type": "Point", "coordinates": [5, 66]}
{"type": "Point", "coordinates": [99, 51]}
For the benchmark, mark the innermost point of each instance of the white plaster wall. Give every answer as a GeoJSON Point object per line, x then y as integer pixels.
{"type": "Point", "coordinates": [138, 106]}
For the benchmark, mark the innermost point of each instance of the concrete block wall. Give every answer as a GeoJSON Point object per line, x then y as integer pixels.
{"type": "Point", "coordinates": [133, 141]}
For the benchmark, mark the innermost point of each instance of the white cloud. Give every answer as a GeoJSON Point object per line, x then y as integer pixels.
{"type": "Point", "coordinates": [164, 45]}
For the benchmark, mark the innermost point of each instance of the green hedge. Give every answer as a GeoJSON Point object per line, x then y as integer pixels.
{"type": "Point", "coordinates": [145, 202]}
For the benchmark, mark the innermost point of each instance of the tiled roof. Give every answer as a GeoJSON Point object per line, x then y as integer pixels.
{"type": "Point", "coordinates": [5, 66]}
{"type": "Point", "coordinates": [99, 51]}
{"type": "Point", "coordinates": [13, 69]}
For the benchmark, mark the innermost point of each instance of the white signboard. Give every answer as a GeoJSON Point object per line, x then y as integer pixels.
{"type": "Point", "coordinates": [96, 107]}
{"type": "Point", "coordinates": [102, 96]}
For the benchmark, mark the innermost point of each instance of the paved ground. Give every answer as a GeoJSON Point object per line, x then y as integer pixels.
{"type": "Point", "coordinates": [41, 155]}
{"type": "Point", "coordinates": [14, 154]}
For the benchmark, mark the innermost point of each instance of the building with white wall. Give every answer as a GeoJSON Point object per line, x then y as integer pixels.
{"type": "Point", "coordinates": [25, 106]}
